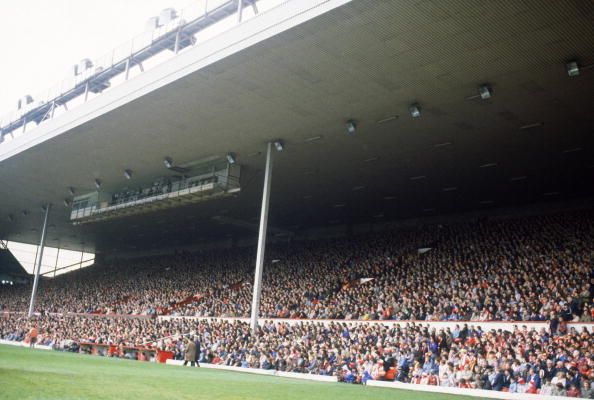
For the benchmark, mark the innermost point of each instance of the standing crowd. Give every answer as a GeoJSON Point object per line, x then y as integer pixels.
{"type": "Point", "coordinates": [524, 269]}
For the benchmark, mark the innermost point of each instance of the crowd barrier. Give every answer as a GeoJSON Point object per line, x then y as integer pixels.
{"type": "Point", "coordinates": [133, 353]}
{"type": "Point", "coordinates": [485, 325]}
{"type": "Point", "coordinates": [98, 315]}
{"type": "Point", "coordinates": [484, 394]}
{"type": "Point", "coordinates": [257, 371]}
{"type": "Point", "coordinates": [107, 350]}
{"type": "Point", "coordinates": [87, 315]}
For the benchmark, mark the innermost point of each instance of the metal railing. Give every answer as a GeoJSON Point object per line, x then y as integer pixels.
{"type": "Point", "coordinates": [94, 77]}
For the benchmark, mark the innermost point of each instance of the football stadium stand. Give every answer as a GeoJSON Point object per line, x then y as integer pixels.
{"type": "Point", "coordinates": [386, 193]}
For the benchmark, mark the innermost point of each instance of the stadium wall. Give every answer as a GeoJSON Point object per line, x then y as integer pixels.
{"type": "Point", "coordinates": [485, 325]}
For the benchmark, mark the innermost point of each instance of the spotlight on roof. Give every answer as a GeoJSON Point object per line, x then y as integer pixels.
{"type": "Point", "coordinates": [168, 162]}
{"type": "Point", "coordinates": [572, 67]}
{"type": "Point", "coordinates": [71, 191]}
{"type": "Point", "coordinates": [10, 218]}
{"type": "Point", "coordinates": [278, 145]}
{"type": "Point", "coordinates": [97, 183]}
{"type": "Point", "coordinates": [66, 203]}
{"type": "Point", "coordinates": [415, 110]}
{"type": "Point", "coordinates": [351, 127]}
{"type": "Point", "coordinates": [231, 158]}
{"type": "Point", "coordinates": [128, 173]}
{"type": "Point", "coordinates": [485, 92]}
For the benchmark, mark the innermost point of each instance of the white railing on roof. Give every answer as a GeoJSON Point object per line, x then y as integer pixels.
{"type": "Point", "coordinates": [75, 89]}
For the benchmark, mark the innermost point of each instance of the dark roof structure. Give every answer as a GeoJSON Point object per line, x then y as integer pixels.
{"type": "Point", "coordinates": [368, 62]}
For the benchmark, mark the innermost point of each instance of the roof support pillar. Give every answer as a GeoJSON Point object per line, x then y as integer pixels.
{"type": "Point", "coordinates": [177, 39]}
{"type": "Point", "coordinates": [38, 261]}
{"type": "Point", "coordinates": [261, 241]}
{"type": "Point", "coordinates": [127, 71]}
{"type": "Point", "coordinates": [82, 253]}
{"type": "Point", "coordinates": [239, 10]}
{"type": "Point", "coordinates": [57, 258]}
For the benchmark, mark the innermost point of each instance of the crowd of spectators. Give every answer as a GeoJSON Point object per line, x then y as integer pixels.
{"type": "Point", "coordinates": [524, 269]}
{"type": "Point", "coordinates": [521, 360]}
{"type": "Point", "coordinates": [530, 269]}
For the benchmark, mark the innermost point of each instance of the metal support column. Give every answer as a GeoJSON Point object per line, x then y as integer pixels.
{"type": "Point", "coordinates": [177, 39]}
{"type": "Point", "coordinates": [239, 10]}
{"type": "Point", "coordinates": [127, 69]}
{"type": "Point", "coordinates": [38, 266]}
{"type": "Point", "coordinates": [261, 241]}
{"type": "Point", "coordinates": [82, 253]}
{"type": "Point", "coordinates": [57, 258]}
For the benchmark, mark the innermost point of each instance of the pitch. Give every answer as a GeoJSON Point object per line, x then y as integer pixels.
{"type": "Point", "coordinates": [36, 374]}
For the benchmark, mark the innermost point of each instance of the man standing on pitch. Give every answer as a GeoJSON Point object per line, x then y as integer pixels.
{"type": "Point", "coordinates": [197, 350]}
{"type": "Point", "coordinates": [190, 352]}
{"type": "Point", "coordinates": [32, 336]}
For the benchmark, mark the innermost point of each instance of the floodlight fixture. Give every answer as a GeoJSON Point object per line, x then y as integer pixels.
{"type": "Point", "coordinates": [351, 127]}
{"type": "Point", "coordinates": [128, 173]}
{"type": "Point", "coordinates": [485, 92]}
{"type": "Point", "coordinates": [71, 191]}
{"type": "Point", "coordinates": [168, 162]}
{"type": "Point", "coordinates": [415, 110]}
{"type": "Point", "coordinates": [97, 183]}
{"type": "Point", "coordinates": [278, 145]}
{"type": "Point", "coordinates": [231, 158]}
{"type": "Point", "coordinates": [573, 68]}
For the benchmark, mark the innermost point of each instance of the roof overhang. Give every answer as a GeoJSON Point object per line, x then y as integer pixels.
{"type": "Point", "coordinates": [300, 74]}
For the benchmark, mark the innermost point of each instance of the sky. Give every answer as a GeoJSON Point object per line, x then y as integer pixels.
{"type": "Point", "coordinates": [26, 253]}
{"type": "Point", "coordinates": [40, 40]}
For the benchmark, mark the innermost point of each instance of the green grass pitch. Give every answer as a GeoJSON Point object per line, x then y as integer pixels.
{"type": "Point", "coordinates": [37, 374]}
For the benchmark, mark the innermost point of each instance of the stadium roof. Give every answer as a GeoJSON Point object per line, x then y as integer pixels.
{"type": "Point", "coordinates": [368, 61]}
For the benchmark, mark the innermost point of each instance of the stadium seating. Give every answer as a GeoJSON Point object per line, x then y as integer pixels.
{"type": "Point", "coordinates": [524, 269]}
{"type": "Point", "coordinates": [522, 360]}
